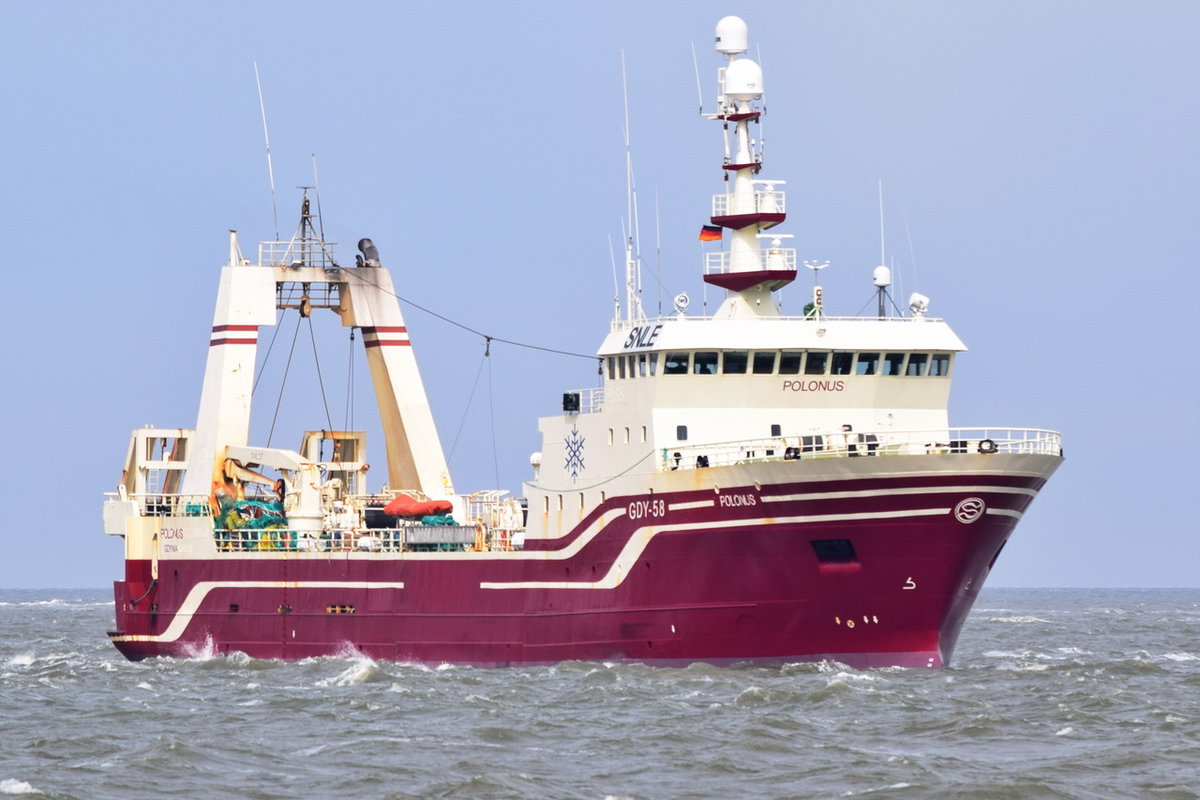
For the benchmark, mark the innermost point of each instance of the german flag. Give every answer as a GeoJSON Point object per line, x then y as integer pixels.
{"type": "Point", "coordinates": [710, 233]}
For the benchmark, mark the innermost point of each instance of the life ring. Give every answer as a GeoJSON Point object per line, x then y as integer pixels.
{"type": "Point", "coordinates": [987, 447]}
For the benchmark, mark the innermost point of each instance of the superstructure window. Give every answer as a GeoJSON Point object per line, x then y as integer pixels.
{"type": "Point", "coordinates": [705, 363]}
{"type": "Point", "coordinates": [893, 364]}
{"type": "Point", "coordinates": [681, 432]}
{"type": "Point", "coordinates": [842, 363]}
{"type": "Point", "coordinates": [939, 365]}
{"type": "Point", "coordinates": [815, 363]}
{"type": "Point", "coordinates": [612, 368]}
{"type": "Point", "coordinates": [621, 367]}
{"type": "Point", "coordinates": [866, 364]}
{"type": "Point", "coordinates": [653, 364]}
{"type": "Point", "coordinates": [676, 364]}
{"type": "Point", "coordinates": [632, 366]}
{"type": "Point", "coordinates": [790, 361]}
{"type": "Point", "coordinates": [642, 370]}
{"type": "Point", "coordinates": [735, 362]}
{"type": "Point", "coordinates": [764, 363]}
{"type": "Point", "coordinates": [916, 364]}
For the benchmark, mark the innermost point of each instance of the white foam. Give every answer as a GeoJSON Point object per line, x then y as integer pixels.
{"type": "Point", "coordinates": [201, 652]}
{"type": "Point", "coordinates": [14, 786]}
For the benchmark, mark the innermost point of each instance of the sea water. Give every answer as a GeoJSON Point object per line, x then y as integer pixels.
{"type": "Point", "coordinates": [1051, 694]}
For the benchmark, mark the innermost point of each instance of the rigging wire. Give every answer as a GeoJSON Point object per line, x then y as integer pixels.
{"type": "Point", "coordinates": [349, 416]}
{"type": "Point", "coordinates": [466, 411]}
{"type": "Point", "coordinates": [283, 383]}
{"type": "Point", "coordinates": [492, 416]}
{"type": "Point", "coordinates": [262, 367]}
{"type": "Point", "coordinates": [469, 329]}
{"type": "Point", "coordinates": [320, 380]}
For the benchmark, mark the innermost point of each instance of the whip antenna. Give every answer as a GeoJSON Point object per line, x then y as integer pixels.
{"type": "Point", "coordinates": [267, 136]}
{"type": "Point", "coordinates": [317, 189]}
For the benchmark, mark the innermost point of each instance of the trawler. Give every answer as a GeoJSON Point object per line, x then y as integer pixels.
{"type": "Point", "coordinates": [745, 487]}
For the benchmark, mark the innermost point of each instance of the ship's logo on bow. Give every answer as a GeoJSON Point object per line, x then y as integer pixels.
{"type": "Point", "coordinates": [969, 510]}
{"type": "Point", "coordinates": [574, 443]}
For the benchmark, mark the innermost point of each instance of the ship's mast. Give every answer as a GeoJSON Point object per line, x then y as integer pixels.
{"type": "Point", "coordinates": [752, 205]}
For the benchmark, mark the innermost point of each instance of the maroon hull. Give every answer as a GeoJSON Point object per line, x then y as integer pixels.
{"type": "Point", "coordinates": [721, 582]}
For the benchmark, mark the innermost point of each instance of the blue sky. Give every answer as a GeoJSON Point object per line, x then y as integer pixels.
{"type": "Point", "coordinates": [1040, 161]}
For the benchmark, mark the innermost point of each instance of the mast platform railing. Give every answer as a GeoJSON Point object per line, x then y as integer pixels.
{"type": "Point", "coordinates": [774, 258]}
{"type": "Point", "coordinates": [766, 201]}
{"type": "Point", "coordinates": [297, 253]}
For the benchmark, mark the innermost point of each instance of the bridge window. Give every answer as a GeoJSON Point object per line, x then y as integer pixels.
{"type": "Point", "coordinates": [621, 367]}
{"type": "Point", "coordinates": [789, 362]}
{"type": "Point", "coordinates": [653, 364]}
{"type": "Point", "coordinates": [842, 363]}
{"type": "Point", "coordinates": [764, 363]}
{"type": "Point", "coordinates": [612, 368]}
{"type": "Point", "coordinates": [735, 362]}
{"type": "Point", "coordinates": [866, 364]}
{"type": "Point", "coordinates": [676, 364]}
{"type": "Point", "coordinates": [939, 365]}
{"type": "Point", "coordinates": [705, 363]}
{"type": "Point", "coordinates": [893, 364]}
{"type": "Point", "coordinates": [815, 364]}
{"type": "Point", "coordinates": [642, 370]}
{"type": "Point", "coordinates": [916, 364]}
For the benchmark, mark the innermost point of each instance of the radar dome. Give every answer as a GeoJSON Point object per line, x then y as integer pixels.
{"type": "Point", "coordinates": [882, 276]}
{"type": "Point", "coordinates": [732, 36]}
{"type": "Point", "coordinates": [743, 80]}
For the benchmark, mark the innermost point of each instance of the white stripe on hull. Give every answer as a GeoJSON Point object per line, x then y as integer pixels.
{"type": "Point", "coordinates": [637, 543]}
{"type": "Point", "coordinates": [202, 589]}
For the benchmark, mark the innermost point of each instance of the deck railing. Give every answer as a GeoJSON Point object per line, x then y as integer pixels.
{"type": "Point", "coordinates": [408, 538]}
{"type": "Point", "coordinates": [167, 505]}
{"type": "Point", "coordinates": [854, 444]}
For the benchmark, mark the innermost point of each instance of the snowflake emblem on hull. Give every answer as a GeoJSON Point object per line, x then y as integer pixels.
{"type": "Point", "coordinates": [574, 462]}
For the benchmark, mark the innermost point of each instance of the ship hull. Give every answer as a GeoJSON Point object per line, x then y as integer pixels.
{"type": "Point", "coordinates": [752, 572]}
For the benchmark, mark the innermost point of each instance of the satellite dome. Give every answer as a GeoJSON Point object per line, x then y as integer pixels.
{"type": "Point", "coordinates": [732, 36]}
{"type": "Point", "coordinates": [743, 80]}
